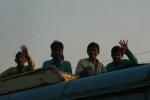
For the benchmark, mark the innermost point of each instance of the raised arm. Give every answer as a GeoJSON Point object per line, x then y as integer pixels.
{"type": "Point", "coordinates": [24, 50]}
{"type": "Point", "coordinates": [130, 55]}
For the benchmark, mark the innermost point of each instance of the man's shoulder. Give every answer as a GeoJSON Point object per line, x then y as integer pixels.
{"type": "Point", "coordinates": [8, 72]}
{"type": "Point", "coordinates": [109, 65]}
{"type": "Point", "coordinates": [99, 62]}
{"type": "Point", "coordinates": [125, 61]}
{"type": "Point", "coordinates": [83, 60]}
{"type": "Point", "coordinates": [12, 69]}
{"type": "Point", "coordinates": [66, 62]}
{"type": "Point", "coordinates": [47, 61]}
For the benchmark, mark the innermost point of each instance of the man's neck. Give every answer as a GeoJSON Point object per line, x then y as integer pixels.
{"type": "Point", "coordinates": [93, 60]}
{"type": "Point", "coordinates": [116, 62]}
{"type": "Point", "coordinates": [57, 61]}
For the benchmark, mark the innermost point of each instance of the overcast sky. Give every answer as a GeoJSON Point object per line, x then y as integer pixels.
{"type": "Point", "coordinates": [76, 23]}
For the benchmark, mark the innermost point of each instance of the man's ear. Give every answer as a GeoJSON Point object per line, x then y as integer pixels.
{"type": "Point", "coordinates": [16, 60]}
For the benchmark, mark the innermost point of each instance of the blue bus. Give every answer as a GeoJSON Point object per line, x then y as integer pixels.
{"type": "Point", "coordinates": [132, 83]}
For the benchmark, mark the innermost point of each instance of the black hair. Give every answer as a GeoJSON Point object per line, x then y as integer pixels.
{"type": "Point", "coordinates": [56, 44]}
{"type": "Point", "coordinates": [92, 45]}
{"type": "Point", "coordinates": [18, 55]}
{"type": "Point", "coordinates": [116, 49]}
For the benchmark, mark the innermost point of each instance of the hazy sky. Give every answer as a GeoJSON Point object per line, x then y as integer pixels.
{"type": "Point", "coordinates": [76, 23]}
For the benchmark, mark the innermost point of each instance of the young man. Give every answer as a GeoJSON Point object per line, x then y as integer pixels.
{"type": "Point", "coordinates": [117, 53]}
{"type": "Point", "coordinates": [21, 58]}
{"type": "Point", "coordinates": [91, 65]}
{"type": "Point", "coordinates": [58, 58]}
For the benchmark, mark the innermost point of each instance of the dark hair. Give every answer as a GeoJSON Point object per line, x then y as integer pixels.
{"type": "Point", "coordinates": [18, 55]}
{"type": "Point", "coordinates": [56, 44]}
{"type": "Point", "coordinates": [116, 49]}
{"type": "Point", "coordinates": [92, 45]}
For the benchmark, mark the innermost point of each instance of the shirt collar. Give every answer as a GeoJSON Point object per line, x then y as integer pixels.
{"type": "Point", "coordinates": [60, 63]}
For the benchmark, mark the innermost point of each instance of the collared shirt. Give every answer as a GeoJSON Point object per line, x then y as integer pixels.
{"type": "Point", "coordinates": [63, 65]}
{"type": "Point", "coordinates": [83, 63]}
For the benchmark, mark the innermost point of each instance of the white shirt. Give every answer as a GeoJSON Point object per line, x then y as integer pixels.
{"type": "Point", "coordinates": [83, 63]}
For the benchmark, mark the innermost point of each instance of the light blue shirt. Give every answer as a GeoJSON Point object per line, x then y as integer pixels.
{"type": "Point", "coordinates": [63, 65]}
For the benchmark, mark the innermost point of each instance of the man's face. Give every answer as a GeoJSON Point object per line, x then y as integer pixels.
{"type": "Point", "coordinates": [21, 59]}
{"type": "Point", "coordinates": [93, 52]}
{"type": "Point", "coordinates": [117, 56]}
{"type": "Point", "coordinates": [57, 53]}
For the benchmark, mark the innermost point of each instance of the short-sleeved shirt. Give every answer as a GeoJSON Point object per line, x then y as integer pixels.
{"type": "Point", "coordinates": [63, 65]}
{"type": "Point", "coordinates": [83, 63]}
